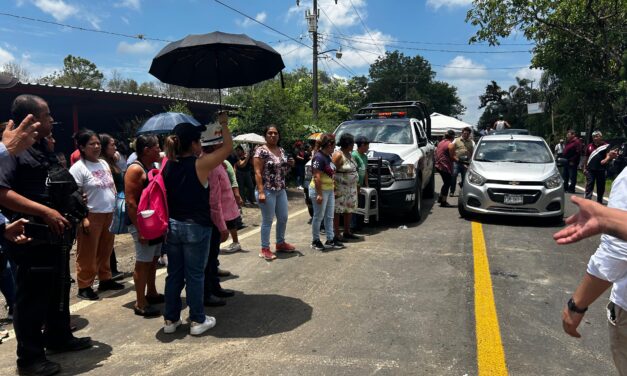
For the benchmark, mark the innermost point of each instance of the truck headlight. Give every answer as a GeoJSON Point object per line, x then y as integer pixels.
{"type": "Point", "coordinates": [555, 181]}
{"type": "Point", "coordinates": [474, 178]}
{"type": "Point", "coordinates": [404, 172]}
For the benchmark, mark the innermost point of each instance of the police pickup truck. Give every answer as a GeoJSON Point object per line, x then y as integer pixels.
{"type": "Point", "coordinates": [400, 159]}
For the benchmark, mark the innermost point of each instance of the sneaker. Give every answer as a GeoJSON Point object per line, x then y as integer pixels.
{"type": "Point", "coordinates": [117, 275]}
{"type": "Point", "coordinates": [198, 328]}
{"type": "Point", "coordinates": [285, 247]}
{"type": "Point", "coordinates": [300, 188]}
{"type": "Point", "coordinates": [109, 284]}
{"type": "Point", "coordinates": [335, 244]}
{"type": "Point", "coordinates": [232, 248]}
{"type": "Point", "coordinates": [267, 254]}
{"type": "Point", "coordinates": [317, 245]}
{"type": "Point", "coordinates": [87, 294]}
{"type": "Point", "coordinates": [170, 326]}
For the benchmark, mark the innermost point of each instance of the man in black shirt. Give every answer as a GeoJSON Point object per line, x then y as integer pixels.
{"type": "Point", "coordinates": [596, 159]}
{"type": "Point", "coordinates": [43, 280]}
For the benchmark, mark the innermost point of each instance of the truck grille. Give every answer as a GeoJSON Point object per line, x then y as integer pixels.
{"type": "Point", "coordinates": [379, 174]}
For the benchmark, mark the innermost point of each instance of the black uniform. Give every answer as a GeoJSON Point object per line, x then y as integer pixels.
{"type": "Point", "coordinates": [43, 280]}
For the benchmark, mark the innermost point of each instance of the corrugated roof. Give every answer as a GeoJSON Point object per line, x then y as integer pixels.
{"type": "Point", "coordinates": [124, 93]}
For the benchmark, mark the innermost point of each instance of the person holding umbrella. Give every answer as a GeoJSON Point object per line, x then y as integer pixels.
{"type": "Point", "coordinates": [271, 166]}
{"type": "Point", "coordinates": [190, 225]}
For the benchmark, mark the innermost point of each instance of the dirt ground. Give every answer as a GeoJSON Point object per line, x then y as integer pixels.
{"type": "Point", "coordinates": [125, 251]}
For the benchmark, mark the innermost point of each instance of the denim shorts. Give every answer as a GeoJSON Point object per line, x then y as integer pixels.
{"type": "Point", "coordinates": [144, 252]}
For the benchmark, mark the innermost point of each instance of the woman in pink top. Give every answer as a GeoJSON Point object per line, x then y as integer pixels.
{"type": "Point", "coordinates": [224, 215]}
{"type": "Point", "coordinates": [444, 165]}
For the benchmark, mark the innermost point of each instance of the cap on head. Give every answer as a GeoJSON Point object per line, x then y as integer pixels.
{"type": "Point", "coordinates": [188, 131]}
{"type": "Point", "coordinates": [597, 133]}
{"type": "Point", "coordinates": [212, 135]}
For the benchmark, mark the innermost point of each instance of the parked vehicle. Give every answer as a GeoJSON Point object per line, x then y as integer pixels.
{"type": "Point", "coordinates": [400, 159]}
{"type": "Point", "coordinates": [513, 175]}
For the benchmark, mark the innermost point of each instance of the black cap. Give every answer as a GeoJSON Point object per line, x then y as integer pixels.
{"type": "Point", "coordinates": [188, 132]}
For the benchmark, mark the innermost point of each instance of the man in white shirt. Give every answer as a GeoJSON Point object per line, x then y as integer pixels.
{"type": "Point", "coordinates": [607, 267]}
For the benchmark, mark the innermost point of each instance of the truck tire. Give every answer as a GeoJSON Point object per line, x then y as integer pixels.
{"type": "Point", "coordinates": [429, 191]}
{"type": "Point", "coordinates": [416, 211]}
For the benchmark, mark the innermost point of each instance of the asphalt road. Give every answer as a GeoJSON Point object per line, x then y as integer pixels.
{"type": "Point", "coordinates": [401, 302]}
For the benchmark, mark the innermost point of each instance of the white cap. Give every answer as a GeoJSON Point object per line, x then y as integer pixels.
{"type": "Point", "coordinates": [212, 136]}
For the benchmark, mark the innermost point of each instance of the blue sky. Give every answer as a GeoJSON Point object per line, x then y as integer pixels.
{"type": "Point", "coordinates": [364, 28]}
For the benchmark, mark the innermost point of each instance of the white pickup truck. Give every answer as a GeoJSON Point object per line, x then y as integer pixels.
{"type": "Point", "coordinates": [400, 159]}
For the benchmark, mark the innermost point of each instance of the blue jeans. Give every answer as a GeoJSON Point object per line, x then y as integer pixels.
{"type": "Point", "coordinates": [569, 174]}
{"type": "Point", "coordinates": [322, 212]}
{"type": "Point", "coordinates": [188, 251]}
{"type": "Point", "coordinates": [458, 168]}
{"type": "Point", "coordinates": [276, 203]}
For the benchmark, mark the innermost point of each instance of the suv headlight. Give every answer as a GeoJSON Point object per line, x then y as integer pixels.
{"type": "Point", "coordinates": [555, 181]}
{"type": "Point", "coordinates": [404, 172]}
{"type": "Point", "coordinates": [474, 178]}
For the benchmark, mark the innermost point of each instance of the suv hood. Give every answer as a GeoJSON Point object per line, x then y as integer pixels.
{"type": "Point", "coordinates": [514, 171]}
{"type": "Point", "coordinates": [394, 153]}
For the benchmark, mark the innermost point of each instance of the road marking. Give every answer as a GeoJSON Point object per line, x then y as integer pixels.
{"type": "Point", "coordinates": [86, 303]}
{"type": "Point", "coordinates": [490, 354]}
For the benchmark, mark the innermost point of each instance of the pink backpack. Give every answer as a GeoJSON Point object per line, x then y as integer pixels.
{"type": "Point", "coordinates": [152, 210]}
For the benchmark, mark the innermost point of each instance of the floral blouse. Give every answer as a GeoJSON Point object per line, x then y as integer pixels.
{"type": "Point", "coordinates": [274, 168]}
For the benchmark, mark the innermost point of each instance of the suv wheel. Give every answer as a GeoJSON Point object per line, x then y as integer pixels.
{"type": "Point", "coordinates": [429, 191]}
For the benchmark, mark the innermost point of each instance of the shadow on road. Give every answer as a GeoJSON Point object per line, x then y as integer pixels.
{"type": "Point", "coordinates": [74, 363]}
{"type": "Point", "coordinates": [517, 221]}
{"type": "Point", "coordinates": [251, 316]}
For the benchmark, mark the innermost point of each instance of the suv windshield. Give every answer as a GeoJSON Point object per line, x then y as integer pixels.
{"type": "Point", "coordinates": [517, 151]}
{"type": "Point", "coordinates": [381, 132]}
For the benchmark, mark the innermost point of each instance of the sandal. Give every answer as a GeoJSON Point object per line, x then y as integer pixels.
{"type": "Point", "coordinates": [155, 299]}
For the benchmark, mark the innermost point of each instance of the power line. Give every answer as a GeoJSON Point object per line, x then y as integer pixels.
{"type": "Point", "coordinates": [364, 25]}
{"type": "Point", "coordinates": [438, 43]}
{"type": "Point", "coordinates": [261, 23]}
{"type": "Point", "coordinates": [336, 28]}
{"type": "Point", "coordinates": [433, 49]}
{"type": "Point", "coordinates": [346, 68]}
{"type": "Point", "coordinates": [137, 36]}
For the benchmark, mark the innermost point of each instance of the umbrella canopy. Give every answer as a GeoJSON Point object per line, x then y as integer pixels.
{"type": "Point", "coordinates": [315, 136]}
{"type": "Point", "coordinates": [251, 138]}
{"type": "Point", "coordinates": [165, 122]}
{"type": "Point", "coordinates": [442, 123]}
{"type": "Point", "coordinates": [216, 60]}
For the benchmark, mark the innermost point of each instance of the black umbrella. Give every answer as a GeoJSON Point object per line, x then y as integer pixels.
{"type": "Point", "coordinates": [216, 60]}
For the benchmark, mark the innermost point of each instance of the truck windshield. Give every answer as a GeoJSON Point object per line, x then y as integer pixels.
{"type": "Point", "coordinates": [385, 133]}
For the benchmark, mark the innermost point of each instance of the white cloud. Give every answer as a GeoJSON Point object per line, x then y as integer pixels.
{"type": "Point", "coordinates": [246, 22]}
{"type": "Point", "coordinates": [140, 48]}
{"type": "Point", "coordinates": [58, 9]}
{"type": "Point", "coordinates": [132, 4]}
{"type": "Point", "coordinates": [5, 56]}
{"type": "Point", "coordinates": [530, 74]}
{"type": "Point", "coordinates": [93, 20]}
{"type": "Point", "coordinates": [463, 67]}
{"type": "Point", "coordinates": [125, 20]}
{"type": "Point", "coordinates": [437, 4]}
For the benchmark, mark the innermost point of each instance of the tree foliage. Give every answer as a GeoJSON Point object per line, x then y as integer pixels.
{"type": "Point", "coordinates": [396, 77]}
{"type": "Point", "coordinates": [77, 72]}
{"type": "Point", "coordinates": [16, 70]}
{"type": "Point", "coordinates": [580, 43]}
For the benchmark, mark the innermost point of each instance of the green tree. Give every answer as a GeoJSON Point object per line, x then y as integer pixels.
{"type": "Point", "coordinates": [396, 77]}
{"type": "Point", "coordinates": [77, 72]}
{"type": "Point", "coordinates": [579, 42]}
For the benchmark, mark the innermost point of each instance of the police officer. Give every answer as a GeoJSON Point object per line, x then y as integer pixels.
{"type": "Point", "coordinates": [43, 281]}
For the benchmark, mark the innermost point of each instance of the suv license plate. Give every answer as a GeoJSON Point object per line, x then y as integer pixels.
{"type": "Point", "coordinates": [513, 199]}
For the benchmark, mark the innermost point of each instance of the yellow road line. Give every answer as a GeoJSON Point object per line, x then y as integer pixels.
{"type": "Point", "coordinates": [490, 354]}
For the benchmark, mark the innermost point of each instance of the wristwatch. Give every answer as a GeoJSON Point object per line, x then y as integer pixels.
{"type": "Point", "coordinates": [573, 307]}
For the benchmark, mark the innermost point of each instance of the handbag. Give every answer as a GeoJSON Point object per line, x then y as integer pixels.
{"type": "Point", "coordinates": [119, 224]}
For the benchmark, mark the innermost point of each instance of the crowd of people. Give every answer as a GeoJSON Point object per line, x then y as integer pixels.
{"type": "Point", "coordinates": [46, 206]}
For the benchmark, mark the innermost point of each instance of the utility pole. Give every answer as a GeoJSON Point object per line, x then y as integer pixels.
{"type": "Point", "coordinates": [312, 21]}
{"type": "Point", "coordinates": [407, 82]}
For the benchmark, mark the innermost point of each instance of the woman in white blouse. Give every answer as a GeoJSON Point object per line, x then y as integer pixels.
{"type": "Point", "coordinates": [94, 241]}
